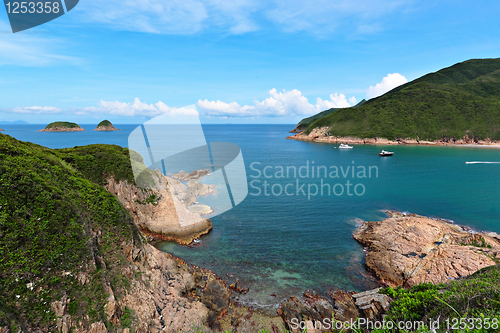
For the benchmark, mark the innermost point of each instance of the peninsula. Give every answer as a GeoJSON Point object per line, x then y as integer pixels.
{"type": "Point", "coordinates": [455, 105]}
{"type": "Point", "coordinates": [62, 126]}
{"type": "Point", "coordinates": [106, 126]}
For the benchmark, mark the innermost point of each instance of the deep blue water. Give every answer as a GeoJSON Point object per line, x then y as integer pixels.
{"type": "Point", "coordinates": [285, 244]}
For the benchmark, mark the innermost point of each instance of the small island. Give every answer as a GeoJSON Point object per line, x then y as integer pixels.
{"type": "Point", "coordinates": [105, 126]}
{"type": "Point", "coordinates": [62, 126]}
{"type": "Point", "coordinates": [1, 130]}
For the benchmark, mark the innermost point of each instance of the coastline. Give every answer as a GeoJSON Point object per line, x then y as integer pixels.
{"type": "Point", "coordinates": [320, 135]}
{"type": "Point", "coordinates": [62, 129]}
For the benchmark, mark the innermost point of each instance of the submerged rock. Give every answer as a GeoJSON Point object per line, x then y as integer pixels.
{"type": "Point", "coordinates": [407, 249]}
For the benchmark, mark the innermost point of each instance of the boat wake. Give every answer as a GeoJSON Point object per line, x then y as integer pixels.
{"type": "Point", "coordinates": [479, 162]}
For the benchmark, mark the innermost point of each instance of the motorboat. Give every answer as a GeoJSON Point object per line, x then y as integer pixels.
{"type": "Point", "coordinates": [344, 146]}
{"type": "Point", "coordinates": [386, 153]}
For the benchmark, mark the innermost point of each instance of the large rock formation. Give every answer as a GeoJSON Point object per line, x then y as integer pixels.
{"type": "Point", "coordinates": [339, 311]}
{"type": "Point", "coordinates": [166, 212]}
{"type": "Point", "coordinates": [183, 296]}
{"type": "Point", "coordinates": [407, 249]}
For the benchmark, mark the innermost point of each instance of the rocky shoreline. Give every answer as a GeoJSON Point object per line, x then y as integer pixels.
{"type": "Point", "coordinates": [62, 129]}
{"type": "Point", "coordinates": [408, 249]}
{"type": "Point", "coordinates": [169, 211]}
{"type": "Point", "coordinates": [321, 135]}
{"type": "Point", "coordinates": [402, 250]}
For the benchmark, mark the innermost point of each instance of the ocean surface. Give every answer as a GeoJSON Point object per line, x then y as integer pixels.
{"type": "Point", "coordinates": [286, 236]}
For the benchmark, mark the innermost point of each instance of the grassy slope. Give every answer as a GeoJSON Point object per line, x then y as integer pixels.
{"type": "Point", "coordinates": [51, 207]}
{"type": "Point", "coordinates": [309, 120]}
{"type": "Point", "coordinates": [476, 296]}
{"type": "Point", "coordinates": [455, 101]}
{"type": "Point", "coordinates": [63, 124]}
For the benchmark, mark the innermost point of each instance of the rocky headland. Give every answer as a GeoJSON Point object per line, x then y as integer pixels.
{"type": "Point", "coordinates": [408, 249]}
{"type": "Point", "coordinates": [62, 126]}
{"type": "Point", "coordinates": [1, 130]}
{"type": "Point", "coordinates": [321, 135]}
{"type": "Point", "coordinates": [106, 126]}
{"type": "Point", "coordinates": [169, 210]}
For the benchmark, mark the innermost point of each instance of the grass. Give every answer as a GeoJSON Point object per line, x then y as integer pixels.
{"type": "Point", "coordinates": [52, 205]}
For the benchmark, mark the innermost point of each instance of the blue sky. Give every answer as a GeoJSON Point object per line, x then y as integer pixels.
{"type": "Point", "coordinates": [239, 61]}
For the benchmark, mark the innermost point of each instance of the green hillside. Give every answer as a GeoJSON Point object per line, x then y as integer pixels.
{"type": "Point", "coordinates": [55, 219]}
{"type": "Point", "coordinates": [62, 124]}
{"type": "Point", "coordinates": [460, 100]}
{"type": "Point", "coordinates": [309, 120]}
{"type": "Point", "coordinates": [104, 123]}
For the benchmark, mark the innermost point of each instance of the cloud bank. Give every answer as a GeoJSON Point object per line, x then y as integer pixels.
{"type": "Point", "coordinates": [388, 83]}
{"type": "Point", "coordinates": [278, 104]}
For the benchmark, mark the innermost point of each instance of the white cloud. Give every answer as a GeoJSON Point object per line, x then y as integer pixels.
{"type": "Point", "coordinates": [137, 108]}
{"type": "Point", "coordinates": [37, 109]}
{"type": "Point", "coordinates": [278, 104]}
{"type": "Point", "coordinates": [240, 16]}
{"type": "Point", "coordinates": [24, 49]}
{"type": "Point", "coordinates": [388, 83]}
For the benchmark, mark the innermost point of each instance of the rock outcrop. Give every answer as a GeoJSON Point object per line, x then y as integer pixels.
{"type": "Point", "coordinates": [165, 294]}
{"type": "Point", "coordinates": [314, 312]}
{"type": "Point", "coordinates": [407, 249]}
{"type": "Point", "coordinates": [372, 304]}
{"type": "Point", "coordinates": [106, 126]}
{"type": "Point", "coordinates": [165, 212]}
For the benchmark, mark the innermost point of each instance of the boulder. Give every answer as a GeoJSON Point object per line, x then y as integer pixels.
{"type": "Point", "coordinates": [407, 249]}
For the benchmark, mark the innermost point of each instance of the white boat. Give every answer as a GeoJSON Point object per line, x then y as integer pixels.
{"type": "Point", "coordinates": [344, 146]}
{"type": "Point", "coordinates": [386, 153]}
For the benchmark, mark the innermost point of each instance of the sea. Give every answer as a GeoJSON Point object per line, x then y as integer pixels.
{"type": "Point", "coordinates": [293, 231]}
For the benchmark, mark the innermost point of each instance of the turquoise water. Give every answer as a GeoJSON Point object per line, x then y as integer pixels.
{"type": "Point", "coordinates": [284, 244]}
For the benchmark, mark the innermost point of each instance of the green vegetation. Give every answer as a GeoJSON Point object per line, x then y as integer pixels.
{"type": "Point", "coordinates": [62, 124]}
{"type": "Point", "coordinates": [104, 123]}
{"type": "Point", "coordinates": [460, 100]}
{"type": "Point", "coordinates": [467, 302]}
{"type": "Point", "coordinates": [55, 220]}
{"type": "Point", "coordinates": [304, 123]}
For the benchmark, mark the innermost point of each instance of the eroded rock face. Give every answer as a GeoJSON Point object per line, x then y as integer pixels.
{"type": "Point", "coordinates": [407, 249]}
{"type": "Point", "coordinates": [344, 305]}
{"type": "Point", "coordinates": [310, 309]}
{"type": "Point", "coordinates": [163, 213]}
{"type": "Point", "coordinates": [371, 304]}
{"type": "Point", "coordinates": [165, 294]}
